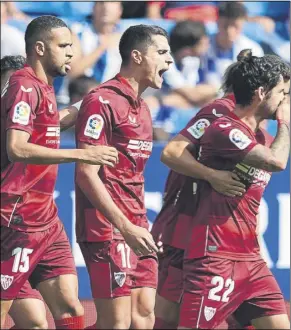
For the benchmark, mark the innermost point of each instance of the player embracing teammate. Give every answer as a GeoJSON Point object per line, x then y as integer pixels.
{"type": "Point", "coordinates": [219, 269]}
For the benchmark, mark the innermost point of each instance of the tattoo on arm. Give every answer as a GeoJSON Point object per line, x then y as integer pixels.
{"type": "Point", "coordinates": [271, 159]}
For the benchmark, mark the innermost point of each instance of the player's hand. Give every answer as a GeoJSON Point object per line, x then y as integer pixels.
{"type": "Point", "coordinates": [283, 111]}
{"type": "Point", "coordinates": [139, 240]}
{"type": "Point", "coordinates": [227, 183]}
{"type": "Point", "coordinates": [100, 155]}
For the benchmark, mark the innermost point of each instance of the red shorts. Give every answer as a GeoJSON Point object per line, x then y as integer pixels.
{"type": "Point", "coordinates": [215, 288]}
{"type": "Point", "coordinates": [170, 277]}
{"type": "Point", "coordinates": [35, 256]}
{"type": "Point", "coordinates": [114, 269]}
{"type": "Point", "coordinates": [27, 291]}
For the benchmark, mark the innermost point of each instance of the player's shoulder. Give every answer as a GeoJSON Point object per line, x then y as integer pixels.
{"type": "Point", "coordinates": [218, 108]}
{"type": "Point", "coordinates": [108, 93]}
{"type": "Point", "coordinates": [23, 80]}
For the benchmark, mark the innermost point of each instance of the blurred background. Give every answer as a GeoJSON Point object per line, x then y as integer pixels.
{"type": "Point", "coordinates": [205, 38]}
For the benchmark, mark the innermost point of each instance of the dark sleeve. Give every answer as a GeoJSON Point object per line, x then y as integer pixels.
{"type": "Point", "coordinates": [20, 102]}
{"type": "Point", "coordinates": [94, 121]}
{"type": "Point", "coordinates": [228, 141]}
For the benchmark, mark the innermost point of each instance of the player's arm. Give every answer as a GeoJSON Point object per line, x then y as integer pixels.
{"type": "Point", "coordinates": [87, 178]}
{"type": "Point", "coordinates": [275, 158]}
{"type": "Point", "coordinates": [68, 115]}
{"type": "Point", "coordinates": [178, 155]}
{"type": "Point", "coordinates": [19, 149]}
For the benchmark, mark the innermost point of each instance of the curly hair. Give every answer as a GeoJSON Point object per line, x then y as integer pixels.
{"type": "Point", "coordinates": [250, 72]}
{"type": "Point", "coordinates": [12, 63]}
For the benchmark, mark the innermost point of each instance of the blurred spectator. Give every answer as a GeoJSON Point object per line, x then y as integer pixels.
{"type": "Point", "coordinates": [205, 11]}
{"type": "Point", "coordinates": [268, 24]}
{"type": "Point", "coordinates": [15, 13]}
{"type": "Point", "coordinates": [12, 39]}
{"type": "Point", "coordinates": [229, 40]}
{"type": "Point", "coordinates": [184, 87]}
{"type": "Point", "coordinates": [134, 9]}
{"type": "Point", "coordinates": [80, 87]}
{"type": "Point", "coordinates": [96, 49]}
{"type": "Point", "coordinates": [10, 64]}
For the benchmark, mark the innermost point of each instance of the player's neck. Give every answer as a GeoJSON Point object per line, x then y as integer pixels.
{"type": "Point", "coordinates": [40, 72]}
{"type": "Point", "coordinates": [247, 116]}
{"type": "Point", "coordinates": [133, 81]}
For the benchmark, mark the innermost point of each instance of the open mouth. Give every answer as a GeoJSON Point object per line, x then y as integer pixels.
{"type": "Point", "coordinates": [161, 72]}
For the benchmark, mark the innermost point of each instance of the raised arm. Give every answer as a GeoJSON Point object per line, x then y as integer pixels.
{"type": "Point", "coordinates": [275, 158]}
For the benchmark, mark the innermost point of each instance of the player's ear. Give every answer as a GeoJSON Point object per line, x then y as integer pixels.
{"type": "Point", "coordinates": [261, 93]}
{"type": "Point", "coordinates": [136, 56]}
{"type": "Point", "coordinates": [39, 48]}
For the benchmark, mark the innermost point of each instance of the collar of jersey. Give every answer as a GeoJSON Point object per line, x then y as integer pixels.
{"type": "Point", "coordinates": [32, 73]}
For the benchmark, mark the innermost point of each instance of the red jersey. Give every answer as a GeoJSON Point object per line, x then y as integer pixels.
{"type": "Point", "coordinates": [28, 104]}
{"type": "Point", "coordinates": [225, 227]}
{"type": "Point", "coordinates": [112, 115]}
{"type": "Point", "coordinates": [174, 220]}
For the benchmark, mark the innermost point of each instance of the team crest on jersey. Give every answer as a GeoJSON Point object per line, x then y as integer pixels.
{"type": "Point", "coordinates": [209, 312]}
{"type": "Point", "coordinates": [6, 281]}
{"type": "Point", "coordinates": [21, 113]}
{"type": "Point", "coordinates": [120, 278]}
{"type": "Point", "coordinates": [198, 129]}
{"type": "Point", "coordinates": [239, 139]}
{"type": "Point", "coordinates": [94, 126]}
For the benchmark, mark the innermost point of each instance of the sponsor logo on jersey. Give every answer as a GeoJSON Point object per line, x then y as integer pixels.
{"type": "Point", "coordinates": [216, 114]}
{"type": "Point", "coordinates": [94, 126]}
{"type": "Point", "coordinates": [21, 113]}
{"type": "Point", "coordinates": [120, 278]}
{"type": "Point", "coordinates": [140, 145]}
{"type": "Point", "coordinates": [52, 131]}
{"type": "Point", "coordinates": [103, 101]}
{"type": "Point", "coordinates": [28, 90]}
{"type": "Point", "coordinates": [198, 129]}
{"type": "Point", "coordinates": [209, 312]}
{"type": "Point", "coordinates": [6, 281]}
{"type": "Point", "coordinates": [239, 139]}
{"type": "Point", "coordinates": [252, 174]}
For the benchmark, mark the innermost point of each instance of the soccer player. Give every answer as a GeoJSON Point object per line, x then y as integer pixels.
{"type": "Point", "coordinates": [223, 269]}
{"type": "Point", "coordinates": [34, 245]}
{"type": "Point", "coordinates": [110, 203]}
{"type": "Point", "coordinates": [172, 224]}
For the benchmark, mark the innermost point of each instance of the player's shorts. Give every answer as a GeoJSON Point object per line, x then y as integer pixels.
{"type": "Point", "coordinates": [27, 291]}
{"type": "Point", "coordinates": [170, 276]}
{"type": "Point", "coordinates": [215, 288]}
{"type": "Point", "coordinates": [35, 256]}
{"type": "Point", "coordinates": [114, 269]}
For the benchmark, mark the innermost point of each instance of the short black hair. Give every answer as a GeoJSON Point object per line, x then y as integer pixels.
{"type": "Point", "coordinates": [79, 87]}
{"type": "Point", "coordinates": [251, 72]}
{"type": "Point", "coordinates": [186, 34]}
{"type": "Point", "coordinates": [12, 63]}
{"type": "Point", "coordinates": [138, 37]}
{"type": "Point", "coordinates": [39, 29]}
{"type": "Point", "coordinates": [232, 10]}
